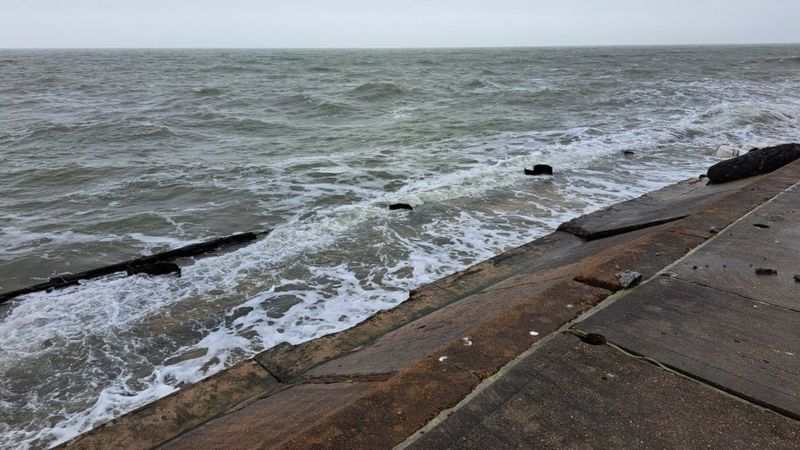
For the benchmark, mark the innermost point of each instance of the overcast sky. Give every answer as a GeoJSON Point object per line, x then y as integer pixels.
{"type": "Point", "coordinates": [396, 23]}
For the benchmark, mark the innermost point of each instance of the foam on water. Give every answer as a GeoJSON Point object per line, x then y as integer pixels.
{"type": "Point", "coordinates": [317, 157]}
{"type": "Point", "coordinates": [330, 298]}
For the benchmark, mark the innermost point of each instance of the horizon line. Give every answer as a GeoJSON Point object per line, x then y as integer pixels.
{"type": "Point", "coordinates": [466, 47]}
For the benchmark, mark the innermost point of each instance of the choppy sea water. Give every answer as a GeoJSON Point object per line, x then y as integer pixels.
{"type": "Point", "coordinates": [107, 155]}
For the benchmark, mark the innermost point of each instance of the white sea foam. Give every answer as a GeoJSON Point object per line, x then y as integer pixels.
{"type": "Point", "coordinates": [332, 298]}
{"type": "Point", "coordinates": [151, 242]}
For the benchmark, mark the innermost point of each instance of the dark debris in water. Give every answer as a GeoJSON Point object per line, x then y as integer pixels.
{"type": "Point", "coordinates": [539, 169]}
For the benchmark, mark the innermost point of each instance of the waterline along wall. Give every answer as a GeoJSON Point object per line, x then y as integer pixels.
{"type": "Point", "coordinates": [376, 384]}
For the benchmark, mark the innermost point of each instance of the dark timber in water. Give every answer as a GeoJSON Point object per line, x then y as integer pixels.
{"type": "Point", "coordinates": [134, 266]}
{"type": "Point", "coordinates": [539, 169]}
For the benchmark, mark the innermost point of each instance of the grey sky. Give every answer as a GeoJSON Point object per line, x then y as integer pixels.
{"type": "Point", "coordinates": [396, 23]}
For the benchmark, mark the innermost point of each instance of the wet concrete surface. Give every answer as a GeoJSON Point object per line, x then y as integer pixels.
{"type": "Point", "coordinates": [714, 318]}
{"type": "Point", "coordinates": [570, 394]}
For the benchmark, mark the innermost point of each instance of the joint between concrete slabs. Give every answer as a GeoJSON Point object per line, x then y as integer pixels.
{"type": "Point", "coordinates": [738, 295]}
{"type": "Point", "coordinates": [478, 389]}
{"type": "Point", "coordinates": [730, 393]}
{"type": "Point", "coordinates": [486, 382]}
{"type": "Point", "coordinates": [619, 294]}
{"type": "Point", "coordinates": [331, 379]}
{"type": "Point", "coordinates": [261, 364]}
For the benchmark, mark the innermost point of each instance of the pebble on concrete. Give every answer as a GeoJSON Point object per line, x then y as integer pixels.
{"type": "Point", "coordinates": [765, 271]}
{"type": "Point", "coordinates": [628, 278]}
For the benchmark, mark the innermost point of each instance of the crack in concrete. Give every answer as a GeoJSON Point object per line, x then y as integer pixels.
{"type": "Point", "coordinates": [750, 299]}
{"type": "Point", "coordinates": [359, 378]}
{"type": "Point", "coordinates": [274, 373]}
{"type": "Point", "coordinates": [465, 369]}
{"type": "Point", "coordinates": [694, 235]}
{"type": "Point", "coordinates": [530, 283]}
{"type": "Point", "coordinates": [266, 368]}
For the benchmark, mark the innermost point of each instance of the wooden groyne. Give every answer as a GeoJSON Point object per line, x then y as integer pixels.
{"type": "Point", "coordinates": [187, 251]}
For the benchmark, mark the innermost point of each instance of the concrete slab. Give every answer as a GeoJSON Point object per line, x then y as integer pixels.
{"type": "Point", "coordinates": [414, 396]}
{"type": "Point", "coordinates": [497, 342]}
{"type": "Point", "coordinates": [768, 238]}
{"type": "Point", "coordinates": [393, 411]}
{"type": "Point", "coordinates": [553, 303]}
{"type": "Point", "coordinates": [742, 346]}
{"type": "Point", "coordinates": [729, 208]}
{"type": "Point", "coordinates": [572, 395]}
{"type": "Point", "coordinates": [590, 255]}
{"type": "Point", "coordinates": [270, 421]}
{"type": "Point", "coordinates": [665, 205]}
{"type": "Point", "coordinates": [158, 422]}
{"type": "Point", "coordinates": [646, 254]}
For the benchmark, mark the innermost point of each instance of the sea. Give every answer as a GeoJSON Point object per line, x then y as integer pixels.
{"type": "Point", "coordinates": [106, 155]}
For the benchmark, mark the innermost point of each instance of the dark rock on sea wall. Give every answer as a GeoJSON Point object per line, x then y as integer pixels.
{"type": "Point", "coordinates": [628, 279]}
{"type": "Point", "coordinates": [594, 339]}
{"type": "Point", "coordinates": [755, 162]}
{"type": "Point", "coordinates": [540, 169]}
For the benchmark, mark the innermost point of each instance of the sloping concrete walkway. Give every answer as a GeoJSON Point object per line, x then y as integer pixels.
{"type": "Point", "coordinates": [487, 355]}
{"type": "Point", "coordinates": [707, 326]}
